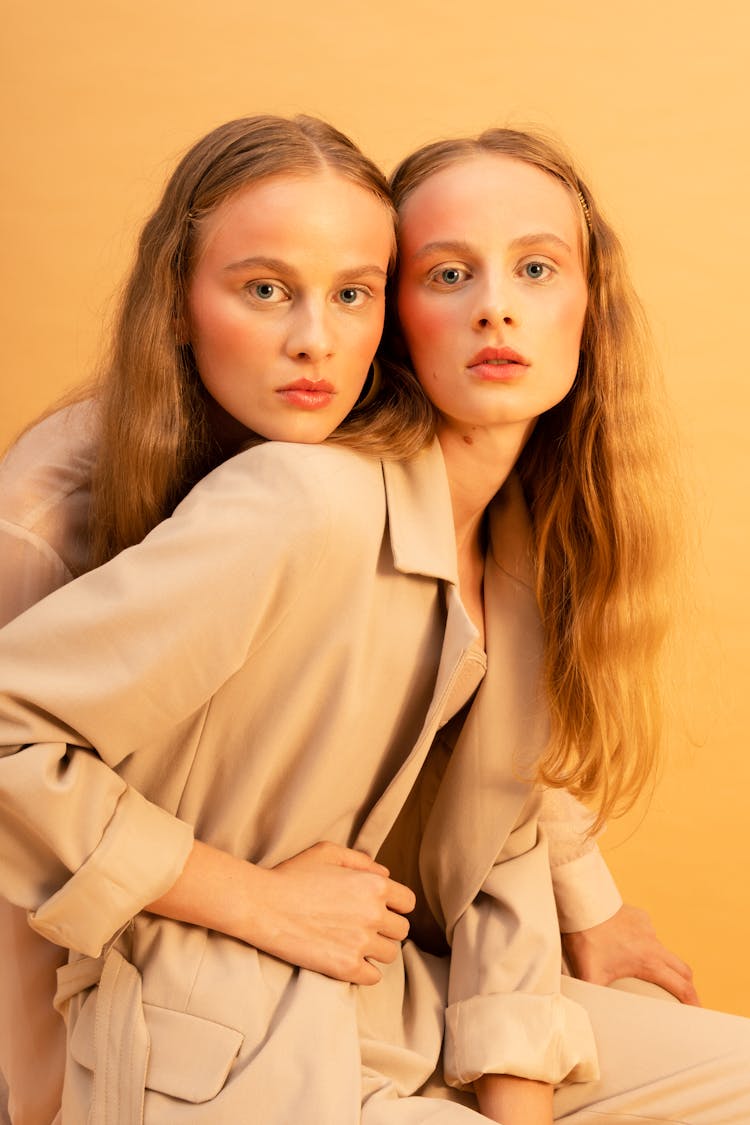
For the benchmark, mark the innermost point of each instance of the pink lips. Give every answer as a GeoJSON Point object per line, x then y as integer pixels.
{"type": "Point", "coordinates": [498, 365]}
{"type": "Point", "coordinates": [308, 394]}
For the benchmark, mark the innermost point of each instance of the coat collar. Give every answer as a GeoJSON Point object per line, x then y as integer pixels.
{"type": "Point", "coordinates": [420, 516]}
{"type": "Point", "coordinates": [420, 520]}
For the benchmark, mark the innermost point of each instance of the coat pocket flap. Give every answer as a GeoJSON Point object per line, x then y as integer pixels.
{"type": "Point", "coordinates": [190, 1057]}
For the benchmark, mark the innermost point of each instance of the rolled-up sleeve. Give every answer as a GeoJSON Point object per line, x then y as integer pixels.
{"type": "Point", "coordinates": [506, 1014]}
{"type": "Point", "coordinates": [82, 851]}
{"type": "Point", "coordinates": [585, 891]}
{"type": "Point", "coordinates": [102, 894]}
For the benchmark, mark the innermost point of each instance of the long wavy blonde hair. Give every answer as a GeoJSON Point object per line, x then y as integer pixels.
{"type": "Point", "coordinates": [155, 438]}
{"type": "Point", "coordinates": [597, 476]}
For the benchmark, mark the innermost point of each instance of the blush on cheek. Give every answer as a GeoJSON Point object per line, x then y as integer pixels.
{"type": "Point", "coordinates": [422, 328]}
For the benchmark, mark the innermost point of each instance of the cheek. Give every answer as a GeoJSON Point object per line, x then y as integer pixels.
{"type": "Point", "coordinates": [216, 331]}
{"type": "Point", "coordinates": [370, 337]}
{"type": "Point", "coordinates": [577, 314]}
{"type": "Point", "coordinates": [567, 326]}
{"type": "Point", "coordinates": [425, 324]}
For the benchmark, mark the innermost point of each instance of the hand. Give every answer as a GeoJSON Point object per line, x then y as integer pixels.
{"type": "Point", "coordinates": [626, 945]}
{"type": "Point", "coordinates": [333, 910]}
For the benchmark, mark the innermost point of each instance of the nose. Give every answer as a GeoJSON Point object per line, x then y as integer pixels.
{"type": "Point", "coordinates": [310, 335]}
{"type": "Point", "coordinates": [495, 305]}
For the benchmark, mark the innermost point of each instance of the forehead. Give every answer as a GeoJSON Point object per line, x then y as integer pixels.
{"type": "Point", "coordinates": [319, 206]}
{"type": "Point", "coordinates": [486, 197]}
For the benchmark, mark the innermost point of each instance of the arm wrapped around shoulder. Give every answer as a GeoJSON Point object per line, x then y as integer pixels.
{"type": "Point", "coordinates": [506, 1014]}
{"type": "Point", "coordinates": [104, 686]}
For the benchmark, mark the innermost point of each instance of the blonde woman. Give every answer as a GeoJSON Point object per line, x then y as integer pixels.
{"type": "Point", "coordinates": [515, 312]}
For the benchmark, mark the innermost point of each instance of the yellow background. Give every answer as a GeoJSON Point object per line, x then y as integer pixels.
{"type": "Point", "coordinates": [101, 97]}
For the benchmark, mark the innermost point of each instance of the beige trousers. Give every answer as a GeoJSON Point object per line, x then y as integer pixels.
{"type": "Point", "coordinates": [661, 1063]}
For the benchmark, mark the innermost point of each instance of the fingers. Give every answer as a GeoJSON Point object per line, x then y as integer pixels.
{"type": "Point", "coordinates": [337, 854]}
{"type": "Point", "coordinates": [676, 964]}
{"type": "Point", "coordinates": [672, 974]}
{"type": "Point", "coordinates": [383, 949]}
{"type": "Point", "coordinates": [336, 911]}
{"type": "Point", "coordinates": [687, 994]}
{"type": "Point", "coordinates": [395, 927]}
{"type": "Point", "coordinates": [358, 861]}
{"type": "Point", "coordinates": [672, 982]}
{"type": "Point", "coordinates": [380, 949]}
{"type": "Point", "coordinates": [368, 974]}
{"type": "Point", "coordinates": [362, 968]}
{"type": "Point", "coordinates": [399, 897]}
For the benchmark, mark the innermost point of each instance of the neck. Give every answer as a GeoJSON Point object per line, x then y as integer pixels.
{"type": "Point", "coordinates": [478, 461]}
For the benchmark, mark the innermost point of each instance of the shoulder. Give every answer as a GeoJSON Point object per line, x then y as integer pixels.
{"type": "Point", "coordinates": [293, 489]}
{"type": "Point", "coordinates": [329, 470]}
{"type": "Point", "coordinates": [45, 483]}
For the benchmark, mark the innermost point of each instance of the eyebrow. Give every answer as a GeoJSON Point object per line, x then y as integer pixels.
{"type": "Point", "coordinates": [459, 247]}
{"type": "Point", "coordinates": [278, 265]}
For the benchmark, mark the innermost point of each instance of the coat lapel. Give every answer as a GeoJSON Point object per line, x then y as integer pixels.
{"type": "Point", "coordinates": [420, 524]}
{"type": "Point", "coordinates": [487, 780]}
{"type": "Point", "coordinates": [459, 637]}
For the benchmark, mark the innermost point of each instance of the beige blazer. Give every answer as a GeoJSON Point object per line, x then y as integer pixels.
{"type": "Point", "coordinates": [268, 669]}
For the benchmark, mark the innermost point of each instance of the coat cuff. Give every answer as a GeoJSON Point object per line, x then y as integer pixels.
{"type": "Point", "coordinates": [585, 892]}
{"type": "Point", "coordinates": [141, 855]}
{"type": "Point", "coordinates": [545, 1038]}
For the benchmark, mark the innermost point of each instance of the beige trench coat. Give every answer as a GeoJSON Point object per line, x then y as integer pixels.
{"type": "Point", "coordinates": [293, 700]}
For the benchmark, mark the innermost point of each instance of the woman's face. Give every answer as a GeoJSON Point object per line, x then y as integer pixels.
{"type": "Point", "coordinates": [492, 293]}
{"type": "Point", "coordinates": [285, 302]}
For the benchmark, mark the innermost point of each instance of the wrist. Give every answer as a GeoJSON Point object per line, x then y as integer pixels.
{"type": "Point", "coordinates": [512, 1100]}
{"type": "Point", "coordinates": [218, 891]}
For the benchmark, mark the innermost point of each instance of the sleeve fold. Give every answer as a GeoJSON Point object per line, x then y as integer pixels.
{"type": "Point", "coordinates": [142, 853]}
{"type": "Point", "coordinates": [546, 1038]}
{"type": "Point", "coordinates": [506, 1014]}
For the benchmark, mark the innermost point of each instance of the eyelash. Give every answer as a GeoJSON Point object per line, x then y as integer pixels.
{"type": "Point", "coordinates": [252, 288]}
{"type": "Point", "coordinates": [361, 290]}
{"type": "Point", "coordinates": [549, 270]}
{"type": "Point", "coordinates": [436, 278]}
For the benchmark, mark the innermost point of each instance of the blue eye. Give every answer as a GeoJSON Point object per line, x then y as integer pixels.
{"type": "Point", "coordinates": [267, 292]}
{"type": "Point", "coordinates": [446, 277]}
{"type": "Point", "coordinates": [349, 296]}
{"type": "Point", "coordinates": [536, 270]}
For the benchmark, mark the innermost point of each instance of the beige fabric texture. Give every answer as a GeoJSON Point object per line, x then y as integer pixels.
{"type": "Point", "coordinates": [44, 504]}
{"type": "Point", "coordinates": [186, 1058]}
{"type": "Point", "coordinates": [312, 545]}
{"type": "Point", "coordinates": [44, 494]}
